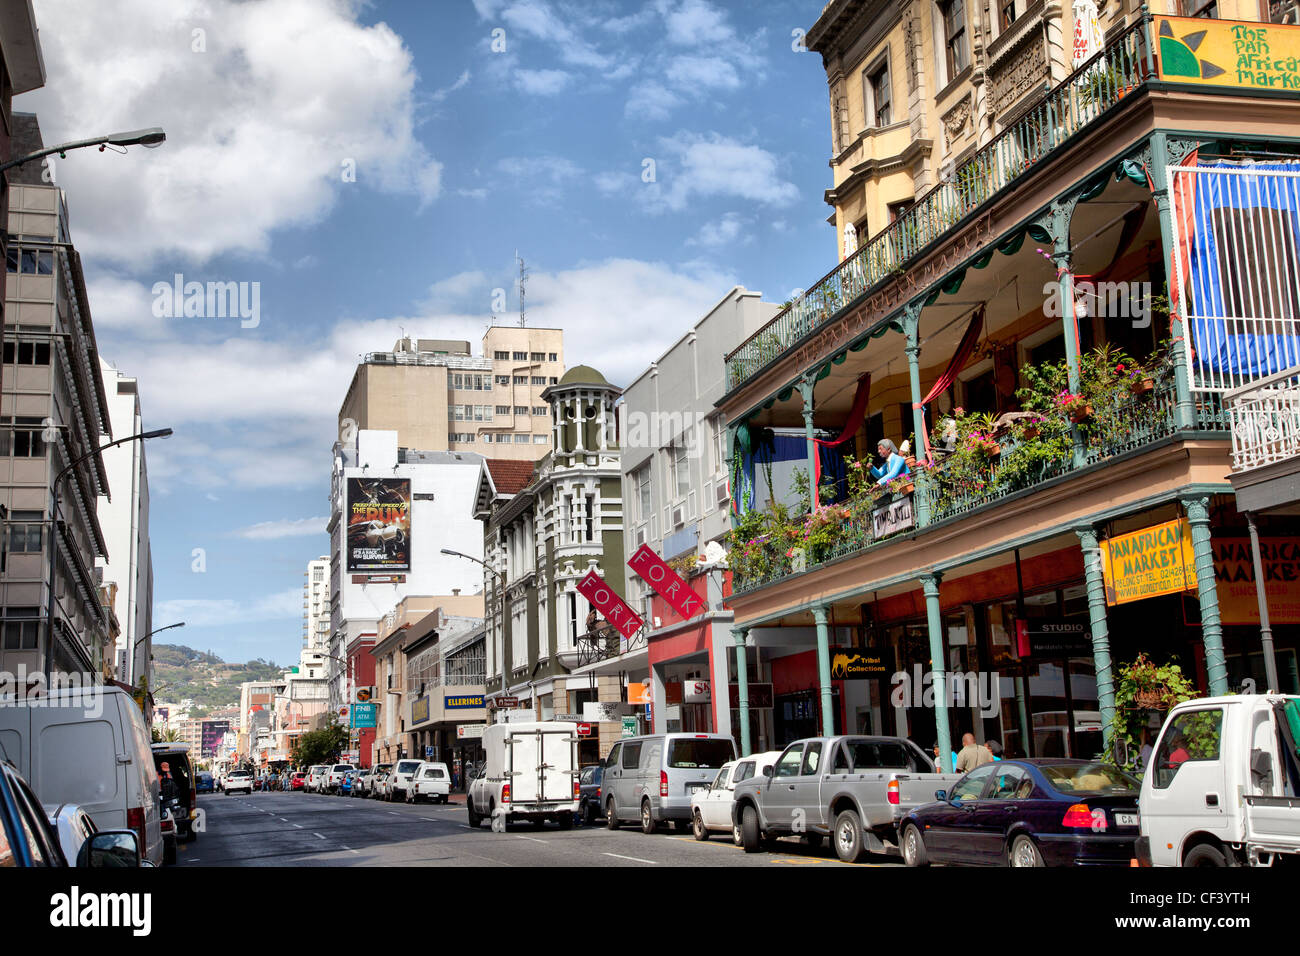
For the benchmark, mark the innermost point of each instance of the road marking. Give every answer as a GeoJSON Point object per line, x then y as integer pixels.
{"type": "Point", "coordinates": [520, 836]}
{"type": "Point", "coordinates": [635, 859]}
{"type": "Point", "coordinates": [298, 825]}
{"type": "Point", "coordinates": [394, 813]}
{"type": "Point", "coordinates": [284, 819]}
{"type": "Point", "coordinates": [315, 834]}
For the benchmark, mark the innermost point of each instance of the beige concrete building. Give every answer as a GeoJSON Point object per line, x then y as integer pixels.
{"type": "Point", "coordinates": [438, 396]}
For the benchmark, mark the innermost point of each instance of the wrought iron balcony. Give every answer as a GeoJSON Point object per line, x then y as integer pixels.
{"type": "Point", "coordinates": [1265, 419]}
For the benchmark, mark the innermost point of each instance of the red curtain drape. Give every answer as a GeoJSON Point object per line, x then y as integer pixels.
{"type": "Point", "coordinates": [964, 350]}
{"type": "Point", "coordinates": [856, 414]}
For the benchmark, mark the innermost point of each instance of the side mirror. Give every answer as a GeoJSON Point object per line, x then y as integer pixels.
{"type": "Point", "coordinates": [767, 771]}
{"type": "Point", "coordinates": [110, 849]}
{"type": "Point", "coordinates": [941, 795]}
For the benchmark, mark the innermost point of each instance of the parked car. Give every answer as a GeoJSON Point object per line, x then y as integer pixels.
{"type": "Point", "coordinates": [431, 781]}
{"type": "Point", "coordinates": [239, 780]}
{"type": "Point", "coordinates": [334, 776]}
{"type": "Point", "coordinates": [399, 778]}
{"type": "Point", "coordinates": [27, 838]}
{"type": "Point", "coordinates": [531, 774]}
{"type": "Point", "coordinates": [204, 782]}
{"type": "Point", "coordinates": [653, 778]}
{"type": "Point", "coordinates": [299, 780]}
{"type": "Point", "coordinates": [858, 788]}
{"type": "Point", "coordinates": [316, 778]}
{"type": "Point", "coordinates": [711, 807]}
{"type": "Point", "coordinates": [347, 783]}
{"type": "Point", "coordinates": [72, 825]}
{"type": "Point", "coordinates": [90, 747]}
{"type": "Point", "coordinates": [1042, 812]}
{"type": "Point", "coordinates": [378, 784]}
{"type": "Point", "coordinates": [590, 808]}
{"type": "Point", "coordinates": [1223, 784]}
{"type": "Point", "coordinates": [177, 759]}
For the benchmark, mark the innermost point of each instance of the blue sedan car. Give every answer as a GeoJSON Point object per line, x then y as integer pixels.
{"type": "Point", "coordinates": [1028, 813]}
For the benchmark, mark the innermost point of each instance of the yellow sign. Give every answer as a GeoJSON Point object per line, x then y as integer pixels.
{"type": "Point", "coordinates": [1234, 572]}
{"type": "Point", "coordinates": [1147, 563]}
{"type": "Point", "coordinates": [1261, 56]}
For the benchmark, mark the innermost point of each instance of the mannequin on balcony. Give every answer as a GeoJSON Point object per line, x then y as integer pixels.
{"type": "Point", "coordinates": [894, 463]}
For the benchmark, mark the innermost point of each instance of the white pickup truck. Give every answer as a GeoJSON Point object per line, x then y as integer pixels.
{"type": "Point", "coordinates": [1223, 784]}
{"type": "Point", "coordinates": [855, 789]}
{"type": "Point", "coordinates": [531, 773]}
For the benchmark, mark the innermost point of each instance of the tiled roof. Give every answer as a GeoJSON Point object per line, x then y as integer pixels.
{"type": "Point", "coordinates": [510, 477]}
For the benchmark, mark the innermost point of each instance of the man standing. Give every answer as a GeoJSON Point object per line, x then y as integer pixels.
{"type": "Point", "coordinates": [972, 754]}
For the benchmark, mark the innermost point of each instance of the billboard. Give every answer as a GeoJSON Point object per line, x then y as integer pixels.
{"type": "Point", "coordinates": [213, 731]}
{"type": "Point", "coordinates": [379, 524]}
{"type": "Point", "coordinates": [1247, 55]}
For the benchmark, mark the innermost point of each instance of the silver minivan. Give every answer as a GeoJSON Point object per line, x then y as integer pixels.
{"type": "Point", "coordinates": [652, 778]}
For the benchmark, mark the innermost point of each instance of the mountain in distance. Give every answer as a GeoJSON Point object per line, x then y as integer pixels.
{"type": "Point", "coordinates": [182, 673]}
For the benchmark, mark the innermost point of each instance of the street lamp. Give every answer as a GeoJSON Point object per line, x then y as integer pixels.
{"type": "Point", "coordinates": [151, 137]}
{"type": "Point", "coordinates": [501, 596]}
{"type": "Point", "coordinates": [54, 531]}
{"type": "Point", "coordinates": [156, 630]}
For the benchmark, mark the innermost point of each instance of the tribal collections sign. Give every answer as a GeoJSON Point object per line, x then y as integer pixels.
{"type": "Point", "coordinates": [853, 665]}
{"type": "Point", "coordinates": [655, 572]}
{"type": "Point", "coordinates": [1261, 56]}
{"type": "Point", "coordinates": [609, 604]}
{"type": "Point", "coordinates": [379, 524]}
{"type": "Point", "coordinates": [1147, 563]}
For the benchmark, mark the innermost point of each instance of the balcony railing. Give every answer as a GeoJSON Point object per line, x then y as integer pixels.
{"type": "Point", "coordinates": [1265, 419]}
{"type": "Point", "coordinates": [1129, 425]}
{"type": "Point", "coordinates": [1124, 64]}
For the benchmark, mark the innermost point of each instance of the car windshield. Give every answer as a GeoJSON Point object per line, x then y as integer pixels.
{"type": "Point", "coordinates": [434, 772]}
{"type": "Point", "coordinates": [1089, 778]}
{"type": "Point", "coordinates": [865, 755]}
{"type": "Point", "coordinates": [407, 766]}
{"type": "Point", "coordinates": [694, 753]}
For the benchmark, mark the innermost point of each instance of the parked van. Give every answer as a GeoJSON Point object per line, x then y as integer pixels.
{"type": "Point", "coordinates": [531, 773]}
{"type": "Point", "coordinates": [88, 746]}
{"type": "Point", "coordinates": [653, 778]}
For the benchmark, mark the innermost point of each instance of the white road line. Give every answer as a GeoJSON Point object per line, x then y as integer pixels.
{"type": "Point", "coordinates": [394, 813]}
{"type": "Point", "coordinates": [315, 834]}
{"type": "Point", "coordinates": [284, 819]}
{"type": "Point", "coordinates": [635, 859]}
{"type": "Point", "coordinates": [298, 825]}
{"type": "Point", "coordinates": [350, 850]}
{"type": "Point", "coordinates": [520, 836]}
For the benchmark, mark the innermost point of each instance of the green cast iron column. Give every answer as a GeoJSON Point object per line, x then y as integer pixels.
{"type": "Point", "coordinates": [1216, 668]}
{"type": "Point", "coordinates": [1184, 410]}
{"type": "Point", "coordinates": [738, 634]}
{"type": "Point", "coordinates": [930, 585]}
{"type": "Point", "coordinates": [911, 328]}
{"type": "Point", "coordinates": [1100, 632]}
{"type": "Point", "coordinates": [806, 385]}
{"type": "Point", "coordinates": [824, 670]}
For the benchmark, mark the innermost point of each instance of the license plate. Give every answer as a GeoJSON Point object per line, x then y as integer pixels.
{"type": "Point", "coordinates": [693, 787]}
{"type": "Point", "coordinates": [1126, 819]}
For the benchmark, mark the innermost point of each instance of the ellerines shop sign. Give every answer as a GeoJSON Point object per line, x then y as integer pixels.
{"type": "Point", "coordinates": [655, 572]}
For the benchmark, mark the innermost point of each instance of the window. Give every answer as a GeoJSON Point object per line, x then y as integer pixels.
{"type": "Point", "coordinates": [553, 357]}
{"type": "Point", "coordinates": [1192, 736]}
{"type": "Point", "coordinates": [521, 409]}
{"type": "Point", "coordinates": [539, 379]}
{"type": "Point", "coordinates": [501, 356]}
{"type": "Point", "coordinates": [631, 756]}
{"type": "Point", "coordinates": [954, 32]}
{"type": "Point", "coordinates": [541, 410]}
{"type": "Point", "coordinates": [971, 786]}
{"type": "Point", "coordinates": [641, 482]}
{"type": "Point", "coordinates": [1008, 13]}
{"type": "Point", "coordinates": [487, 437]}
{"type": "Point", "coordinates": [812, 758]}
{"type": "Point", "coordinates": [24, 532]}
{"type": "Point", "coordinates": [27, 353]}
{"type": "Point", "coordinates": [521, 379]}
{"type": "Point", "coordinates": [24, 440]}
{"type": "Point", "coordinates": [554, 380]}
{"type": "Point", "coordinates": [591, 517]}
{"type": "Point", "coordinates": [540, 439]}
{"type": "Point", "coordinates": [522, 439]}
{"type": "Point", "coordinates": [878, 86]}
{"type": "Point", "coordinates": [788, 765]}
{"type": "Point", "coordinates": [1011, 783]}
{"type": "Point", "coordinates": [681, 468]}
{"type": "Point", "coordinates": [503, 379]}
{"type": "Point", "coordinates": [520, 356]}
{"type": "Point", "coordinates": [744, 770]}
{"type": "Point", "coordinates": [1199, 8]}
{"type": "Point", "coordinates": [503, 409]}
{"type": "Point", "coordinates": [30, 262]}
{"type": "Point", "coordinates": [696, 753]}
{"type": "Point", "coordinates": [537, 357]}
{"type": "Point", "coordinates": [898, 209]}
{"type": "Point", "coordinates": [21, 635]}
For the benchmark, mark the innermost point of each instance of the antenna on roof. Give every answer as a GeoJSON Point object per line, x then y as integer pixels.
{"type": "Point", "coordinates": [523, 279]}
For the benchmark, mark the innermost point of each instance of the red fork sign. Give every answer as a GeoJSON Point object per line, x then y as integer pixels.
{"type": "Point", "coordinates": [604, 600]}
{"type": "Point", "coordinates": [665, 580]}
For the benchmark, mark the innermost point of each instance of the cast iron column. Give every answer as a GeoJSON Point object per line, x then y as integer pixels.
{"type": "Point", "coordinates": [824, 670]}
{"type": "Point", "coordinates": [742, 687]}
{"type": "Point", "coordinates": [1216, 668]}
{"type": "Point", "coordinates": [1096, 585]}
{"type": "Point", "coordinates": [930, 585]}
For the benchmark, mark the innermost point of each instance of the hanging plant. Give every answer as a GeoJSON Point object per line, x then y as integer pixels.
{"type": "Point", "coordinates": [1144, 688]}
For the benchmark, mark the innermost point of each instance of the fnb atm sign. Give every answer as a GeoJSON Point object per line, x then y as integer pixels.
{"type": "Point", "coordinates": [464, 702]}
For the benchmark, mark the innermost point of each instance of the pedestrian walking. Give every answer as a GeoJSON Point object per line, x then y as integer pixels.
{"type": "Point", "coordinates": [972, 754]}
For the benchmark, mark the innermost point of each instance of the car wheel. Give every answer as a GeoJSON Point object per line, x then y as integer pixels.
{"type": "Point", "coordinates": [913, 847]}
{"type": "Point", "coordinates": [1024, 852]}
{"type": "Point", "coordinates": [475, 821]}
{"type": "Point", "coordinates": [736, 838]}
{"type": "Point", "coordinates": [700, 830]}
{"type": "Point", "coordinates": [590, 813]}
{"type": "Point", "coordinates": [1206, 855]}
{"type": "Point", "coordinates": [566, 821]}
{"type": "Point", "coordinates": [749, 835]}
{"type": "Point", "coordinates": [648, 825]}
{"type": "Point", "coordinates": [848, 837]}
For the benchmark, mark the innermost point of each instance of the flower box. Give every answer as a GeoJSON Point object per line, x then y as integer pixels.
{"type": "Point", "coordinates": [1029, 432]}
{"type": "Point", "coordinates": [1080, 413]}
{"type": "Point", "coordinates": [904, 489]}
{"type": "Point", "coordinates": [911, 463]}
{"type": "Point", "coordinates": [1142, 386]}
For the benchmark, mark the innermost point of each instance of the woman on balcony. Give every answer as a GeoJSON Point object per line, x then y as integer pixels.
{"type": "Point", "coordinates": [894, 463]}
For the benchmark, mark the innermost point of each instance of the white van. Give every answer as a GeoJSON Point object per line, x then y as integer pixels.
{"type": "Point", "coordinates": [88, 746]}
{"type": "Point", "coordinates": [531, 773]}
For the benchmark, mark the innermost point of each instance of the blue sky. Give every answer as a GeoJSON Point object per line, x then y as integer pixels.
{"type": "Point", "coordinates": [374, 167]}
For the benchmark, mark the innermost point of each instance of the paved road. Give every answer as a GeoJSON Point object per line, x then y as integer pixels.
{"type": "Point", "coordinates": [300, 829]}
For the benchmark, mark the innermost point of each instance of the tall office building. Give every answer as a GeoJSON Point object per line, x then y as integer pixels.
{"type": "Point", "coordinates": [438, 396]}
{"type": "Point", "coordinates": [316, 604]}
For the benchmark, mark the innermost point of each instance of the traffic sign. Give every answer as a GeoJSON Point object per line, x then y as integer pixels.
{"type": "Point", "coordinates": [629, 726]}
{"type": "Point", "coordinates": [584, 730]}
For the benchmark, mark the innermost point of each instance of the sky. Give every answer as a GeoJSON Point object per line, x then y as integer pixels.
{"type": "Point", "coordinates": [368, 169]}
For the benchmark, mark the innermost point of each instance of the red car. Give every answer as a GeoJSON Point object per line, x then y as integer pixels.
{"type": "Point", "coordinates": [298, 781]}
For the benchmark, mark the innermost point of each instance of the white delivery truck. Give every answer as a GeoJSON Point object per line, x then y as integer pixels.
{"type": "Point", "coordinates": [530, 773]}
{"type": "Point", "coordinates": [1222, 787]}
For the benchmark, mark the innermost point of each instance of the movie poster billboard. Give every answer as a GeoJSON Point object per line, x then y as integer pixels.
{"type": "Point", "coordinates": [379, 525]}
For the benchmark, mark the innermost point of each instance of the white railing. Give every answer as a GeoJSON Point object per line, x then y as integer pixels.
{"type": "Point", "coordinates": [1265, 419]}
{"type": "Point", "coordinates": [1236, 242]}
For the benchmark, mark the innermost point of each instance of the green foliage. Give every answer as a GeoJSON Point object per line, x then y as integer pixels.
{"type": "Point", "coordinates": [182, 673]}
{"type": "Point", "coordinates": [1143, 687]}
{"type": "Point", "coordinates": [320, 746]}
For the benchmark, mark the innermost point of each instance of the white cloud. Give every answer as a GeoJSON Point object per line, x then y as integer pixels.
{"type": "Point", "coordinates": [536, 18]}
{"type": "Point", "coordinates": [478, 193]}
{"type": "Point", "coordinates": [716, 165]}
{"type": "Point", "coordinates": [283, 528]}
{"type": "Point", "coordinates": [462, 81]}
{"type": "Point", "coordinates": [260, 124]}
{"type": "Point", "coordinates": [650, 100]}
{"type": "Point", "coordinates": [542, 82]}
{"type": "Point", "coordinates": [208, 612]}
{"type": "Point", "coordinates": [702, 73]}
{"type": "Point", "coordinates": [723, 232]}
{"type": "Point", "coordinates": [698, 23]}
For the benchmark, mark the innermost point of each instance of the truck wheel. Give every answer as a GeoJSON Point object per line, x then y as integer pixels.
{"type": "Point", "coordinates": [913, 847]}
{"type": "Point", "coordinates": [1024, 852]}
{"type": "Point", "coordinates": [736, 838]}
{"type": "Point", "coordinates": [475, 821]}
{"type": "Point", "coordinates": [700, 830]}
{"type": "Point", "coordinates": [611, 818]}
{"type": "Point", "coordinates": [1206, 854]}
{"type": "Point", "coordinates": [566, 821]}
{"type": "Point", "coordinates": [648, 824]}
{"type": "Point", "coordinates": [749, 837]}
{"type": "Point", "coordinates": [848, 837]}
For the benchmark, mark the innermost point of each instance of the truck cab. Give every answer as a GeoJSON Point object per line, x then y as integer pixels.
{"type": "Point", "coordinates": [1223, 784]}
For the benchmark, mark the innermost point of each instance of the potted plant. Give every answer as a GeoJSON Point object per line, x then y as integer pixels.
{"type": "Point", "coordinates": [1074, 406]}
